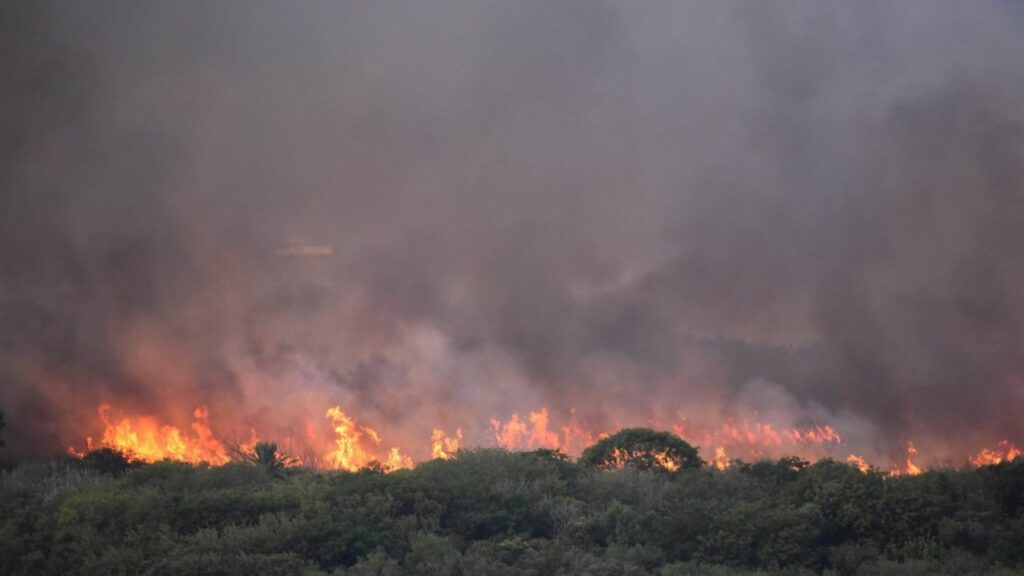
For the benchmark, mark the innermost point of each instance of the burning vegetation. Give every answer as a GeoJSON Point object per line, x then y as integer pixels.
{"type": "Point", "coordinates": [341, 442]}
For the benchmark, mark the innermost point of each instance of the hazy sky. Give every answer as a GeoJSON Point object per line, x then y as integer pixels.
{"type": "Point", "coordinates": [445, 211]}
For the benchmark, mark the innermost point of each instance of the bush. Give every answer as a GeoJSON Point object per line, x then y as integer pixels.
{"type": "Point", "coordinates": [108, 461]}
{"type": "Point", "coordinates": [492, 512]}
{"type": "Point", "coordinates": [643, 449]}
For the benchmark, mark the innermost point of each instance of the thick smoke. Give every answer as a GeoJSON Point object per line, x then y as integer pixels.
{"type": "Point", "coordinates": [433, 213]}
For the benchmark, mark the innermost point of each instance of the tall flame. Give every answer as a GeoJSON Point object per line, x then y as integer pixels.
{"type": "Point", "coordinates": [144, 438]}
{"type": "Point", "coordinates": [721, 459]}
{"type": "Point", "coordinates": [356, 445]}
{"type": "Point", "coordinates": [443, 446]}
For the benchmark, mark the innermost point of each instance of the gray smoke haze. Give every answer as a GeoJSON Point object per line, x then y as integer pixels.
{"type": "Point", "coordinates": [441, 212]}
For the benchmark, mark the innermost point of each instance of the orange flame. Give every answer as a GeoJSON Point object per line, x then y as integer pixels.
{"type": "Point", "coordinates": [146, 439]}
{"type": "Point", "coordinates": [355, 445]}
{"type": "Point", "coordinates": [621, 457]}
{"type": "Point", "coordinates": [1004, 452]}
{"type": "Point", "coordinates": [859, 462]}
{"type": "Point", "coordinates": [510, 434]}
{"type": "Point", "coordinates": [443, 446]}
{"type": "Point", "coordinates": [909, 469]}
{"type": "Point", "coordinates": [396, 461]}
{"type": "Point", "coordinates": [721, 460]}
{"type": "Point", "coordinates": [541, 437]}
{"type": "Point", "coordinates": [517, 434]}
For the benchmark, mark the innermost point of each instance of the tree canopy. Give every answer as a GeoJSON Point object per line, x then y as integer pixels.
{"type": "Point", "coordinates": [264, 455]}
{"type": "Point", "coordinates": [488, 511]}
{"type": "Point", "coordinates": [642, 448]}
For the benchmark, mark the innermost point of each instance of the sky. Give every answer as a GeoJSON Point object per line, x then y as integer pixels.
{"type": "Point", "coordinates": [438, 213]}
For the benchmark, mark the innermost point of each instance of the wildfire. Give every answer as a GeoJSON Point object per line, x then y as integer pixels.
{"type": "Point", "coordinates": [721, 460]}
{"type": "Point", "coordinates": [352, 445]}
{"type": "Point", "coordinates": [910, 469]}
{"type": "Point", "coordinates": [356, 445]}
{"type": "Point", "coordinates": [396, 460]}
{"type": "Point", "coordinates": [764, 434]}
{"type": "Point", "coordinates": [621, 457]}
{"type": "Point", "coordinates": [510, 434]}
{"type": "Point", "coordinates": [817, 435]}
{"type": "Point", "coordinates": [1004, 452]}
{"type": "Point", "coordinates": [146, 439]}
{"type": "Point", "coordinates": [859, 462]}
{"type": "Point", "coordinates": [443, 446]}
{"type": "Point", "coordinates": [536, 432]}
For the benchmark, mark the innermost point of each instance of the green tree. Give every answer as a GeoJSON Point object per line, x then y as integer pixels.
{"type": "Point", "coordinates": [264, 455]}
{"type": "Point", "coordinates": [108, 461]}
{"type": "Point", "coordinates": [642, 448]}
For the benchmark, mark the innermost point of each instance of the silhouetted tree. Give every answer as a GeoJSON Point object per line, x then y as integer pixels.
{"type": "Point", "coordinates": [108, 461]}
{"type": "Point", "coordinates": [642, 448]}
{"type": "Point", "coordinates": [264, 455]}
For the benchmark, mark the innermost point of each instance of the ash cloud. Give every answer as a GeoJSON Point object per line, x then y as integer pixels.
{"type": "Point", "coordinates": [813, 210]}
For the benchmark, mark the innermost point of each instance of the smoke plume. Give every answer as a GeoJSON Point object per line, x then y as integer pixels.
{"type": "Point", "coordinates": [438, 213]}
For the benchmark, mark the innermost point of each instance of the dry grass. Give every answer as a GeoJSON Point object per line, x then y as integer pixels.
{"type": "Point", "coordinates": [49, 477]}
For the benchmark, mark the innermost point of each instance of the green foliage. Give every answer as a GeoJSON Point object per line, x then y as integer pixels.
{"type": "Point", "coordinates": [264, 456]}
{"type": "Point", "coordinates": [108, 461]}
{"type": "Point", "coordinates": [641, 448]}
{"type": "Point", "coordinates": [490, 512]}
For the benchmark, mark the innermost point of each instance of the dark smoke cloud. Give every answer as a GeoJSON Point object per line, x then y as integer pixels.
{"type": "Point", "coordinates": [442, 212]}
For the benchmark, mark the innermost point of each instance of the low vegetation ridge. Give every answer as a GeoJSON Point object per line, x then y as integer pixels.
{"type": "Point", "coordinates": [638, 503]}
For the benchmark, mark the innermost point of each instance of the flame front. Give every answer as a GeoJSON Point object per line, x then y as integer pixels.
{"type": "Point", "coordinates": [516, 434]}
{"type": "Point", "coordinates": [352, 445]}
{"type": "Point", "coordinates": [356, 445]}
{"type": "Point", "coordinates": [443, 446]}
{"type": "Point", "coordinates": [144, 438]}
{"type": "Point", "coordinates": [1004, 452]}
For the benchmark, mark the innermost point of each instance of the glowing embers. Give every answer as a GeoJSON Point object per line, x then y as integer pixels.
{"type": "Point", "coordinates": [1003, 452]}
{"type": "Point", "coordinates": [145, 438]}
{"type": "Point", "coordinates": [356, 446]}
{"type": "Point", "coordinates": [622, 458]}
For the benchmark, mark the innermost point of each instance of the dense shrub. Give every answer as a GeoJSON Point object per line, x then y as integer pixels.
{"type": "Point", "coordinates": [108, 461]}
{"type": "Point", "coordinates": [491, 512]}
{"type": "Point", "coordinates": [641, 448]}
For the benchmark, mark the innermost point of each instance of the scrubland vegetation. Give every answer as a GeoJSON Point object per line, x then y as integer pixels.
{"type": "Point", "coordinates": [492, 512]}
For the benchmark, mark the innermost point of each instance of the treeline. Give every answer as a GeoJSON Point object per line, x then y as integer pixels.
{"type": "Point", "coordinates": [492, 512]}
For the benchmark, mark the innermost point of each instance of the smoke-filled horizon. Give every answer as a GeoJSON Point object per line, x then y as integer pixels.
{"type": "Point", "coordinates": [438, 213]}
